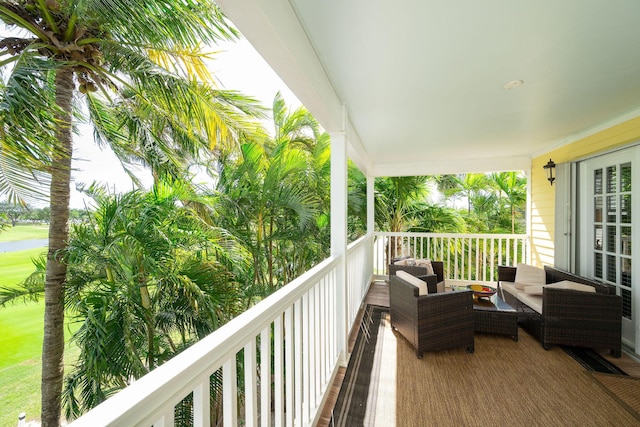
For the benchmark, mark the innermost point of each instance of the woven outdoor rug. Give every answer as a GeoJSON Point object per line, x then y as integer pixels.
{"type": "Point", "coordinates": [502, 383]}
{"type": "Point", "coordinates": [624, 389]}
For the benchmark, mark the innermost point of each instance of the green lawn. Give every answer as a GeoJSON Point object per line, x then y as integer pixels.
{"type": "Point", "coordinates": [16, 266]}
{"type": "Point", "coordinates": [21, 343]}
{"type": "Point", "coordinates": [24, 232]}
{"type": "Point", "coordinates": [20, 351]}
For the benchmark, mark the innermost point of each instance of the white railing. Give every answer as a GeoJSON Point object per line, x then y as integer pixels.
{"type": "Point", "coordinates": [466, 257]}
{"type": "Point", "coordinates": [359, 274]}
{"type": "Point", "coordinates": [298, 331]}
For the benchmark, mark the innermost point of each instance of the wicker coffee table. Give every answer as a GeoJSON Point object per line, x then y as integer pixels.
{"type": "Point", "coordinates": [495, 316]}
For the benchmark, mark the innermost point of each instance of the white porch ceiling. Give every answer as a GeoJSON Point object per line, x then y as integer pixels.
{"type": "Point", "coordinates": [421, 81]}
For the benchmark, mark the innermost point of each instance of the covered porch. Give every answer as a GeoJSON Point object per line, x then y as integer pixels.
{"type": "Point", "coordinates": [418, 89]}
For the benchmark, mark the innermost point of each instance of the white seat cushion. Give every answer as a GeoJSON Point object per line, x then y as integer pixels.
{"type": "Point", "coordinates": [509, 287]}
{"type": "Point", "coordinates": [534, 289]}
{"type": "Point", "coordinates": [529, 275]}
{"type": "Point", "coordinates": [533, 301]}
{"type": "Point", "coordinates": [420, 284]}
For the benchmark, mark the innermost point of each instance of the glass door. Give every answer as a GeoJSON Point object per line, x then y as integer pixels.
{"type": "Point", "coordinates": [607, 228]}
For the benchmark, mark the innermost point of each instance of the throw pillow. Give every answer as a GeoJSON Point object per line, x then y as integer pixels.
{"type": "Point", "coordinates": [529, 275]}
{"type": "Point", "coordinates": [567, 284]}
{"type": "Point", "coordinates": [407, 261]}
{"type": "Point", "coordinates": [420, 284]}
{"type": "Point", "coordinates": [425, 263]}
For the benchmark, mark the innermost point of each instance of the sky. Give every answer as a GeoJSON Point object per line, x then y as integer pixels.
{"type": "Point", "coordinates": [236, 66]}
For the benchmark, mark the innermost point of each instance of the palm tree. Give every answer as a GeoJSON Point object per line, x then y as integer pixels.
{"type": "Point", "coordinates": [357, 202]}
{"type": "Point", "coordinates": [513, 186]}
{"type": "Point", "coordinates": [118, 56]}
{"type": "Point", "coordinates": [144, 282]}
{"type": "Point", "coordinates": [437, 219]}
{"type": "Point", "coordinates": [395, 199]}
{"type": "Point", "coordinates": [275, 198]}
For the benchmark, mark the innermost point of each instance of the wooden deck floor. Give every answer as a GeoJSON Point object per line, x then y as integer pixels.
{"type": "Point", "coordinates": [379, 295]}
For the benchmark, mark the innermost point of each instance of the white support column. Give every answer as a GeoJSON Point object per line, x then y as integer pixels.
{"type": "Point", "coordinates": [339, 232]}
{"type": "Point", "coordinates": [371, 218]}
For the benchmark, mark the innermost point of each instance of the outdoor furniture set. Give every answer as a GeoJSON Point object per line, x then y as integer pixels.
{"type": "Point", "coordinates": [554, 306]}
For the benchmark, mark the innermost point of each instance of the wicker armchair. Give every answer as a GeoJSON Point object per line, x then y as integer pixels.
{"type": "Point", "coordinates": [430, 322]}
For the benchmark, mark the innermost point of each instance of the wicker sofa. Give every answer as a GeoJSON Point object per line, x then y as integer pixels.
{"type": "Point", "coordinates": [565, 316]}
{"type": "Point", "coordinates": [434, 321]}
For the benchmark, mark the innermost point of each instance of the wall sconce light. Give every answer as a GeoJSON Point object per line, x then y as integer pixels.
{"type": "Point", "coordinates": [549, 168]}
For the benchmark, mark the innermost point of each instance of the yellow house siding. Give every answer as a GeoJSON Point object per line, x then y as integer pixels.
{"type": "Point", "coordinates": [542, 218]}
{"type": "Point", "coordinates": [542, 208]}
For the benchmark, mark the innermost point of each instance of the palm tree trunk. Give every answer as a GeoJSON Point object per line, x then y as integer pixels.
{"type": "Point", "coordinates": [148, 319]}
{"type": "Point", "coordinates": [56, 273]}
{"type": "Point", "coordinates": [270, 255]}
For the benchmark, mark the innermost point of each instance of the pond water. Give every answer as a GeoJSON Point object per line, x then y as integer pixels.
{"type": "Point", "coordinates": [22, 245]}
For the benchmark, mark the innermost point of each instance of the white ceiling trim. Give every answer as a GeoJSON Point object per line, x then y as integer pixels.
{"type": "Point", "coordinates": [442, 167]}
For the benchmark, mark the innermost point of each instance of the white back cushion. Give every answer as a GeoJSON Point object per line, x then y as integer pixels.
{"type": "Point", "coordinates": [529, 275]}
{"type": "Point", "coordinates": [420, 284]}
{"type": "Point", "coordinates": [567, 284]}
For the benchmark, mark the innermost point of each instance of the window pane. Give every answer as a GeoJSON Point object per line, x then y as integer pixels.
{"type": "Point", "coordinates": [597, 181]}
{"type": "Point", "coordinates": [611, 238]}
{"type": "Point", "coordinates": [611, 268]}
{"type": "Point", "coordinates": [625, 272]}
{"type": "Point", "coordinates": [611, 208]}
{"type": "Point", "coordinates": [625, 240]}
{"type": "Point", "coordinates": [597, 206]}
{"type": "Point", "coordinates": [598, 235]}
{"type": "Point", "coordinates": [597, 265]}
{"type": "Point", "coordinates": [625, 177]}
{"type": "Point", "coordinates": [625, 209]}
{"type": "Point", "coordinates": [611, 179]}
{"type": "Point", "coordinates": [626, 303]}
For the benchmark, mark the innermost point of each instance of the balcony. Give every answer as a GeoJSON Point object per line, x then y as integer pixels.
{"type": "Point", "coordinates": [303, 329]}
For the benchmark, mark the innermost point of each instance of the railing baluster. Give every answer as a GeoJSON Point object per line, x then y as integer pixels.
{"type": "Point", "coordinates": [297, 362]}
{"type": "Point", "coordinates": [265, 377]}
{"type": "Point", "coordinates": [167, 419]}
{"type": "Point", "coordinates": [250, 385]}
{"type": "Point", "coordinates": [493, 259]}
{"type": "Point", "coordinates": [321, 337]}
{"type": "Point", "coordinates": [201, 404]}
{"type": "Point", "coordinates": [289, 366]}
{"type": "Point", "coordinates": [310, 359]}
{"type": "Point", "coordinates": [280, 357]}
{"type": "Point", "coordinates": [230, 390]}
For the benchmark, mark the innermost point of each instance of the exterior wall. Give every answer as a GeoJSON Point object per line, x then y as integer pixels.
{"type": "Point", "coordinates": [543, 195]}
